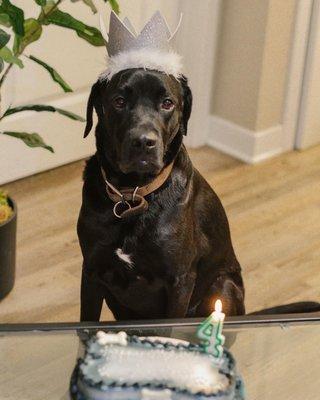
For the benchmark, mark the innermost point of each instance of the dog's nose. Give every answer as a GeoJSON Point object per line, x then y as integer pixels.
{"type": "Point", "coordinates": [146, 141]}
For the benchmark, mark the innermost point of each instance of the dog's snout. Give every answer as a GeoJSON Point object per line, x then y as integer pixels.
{"type": "Point", "coordinates": [146, 141]}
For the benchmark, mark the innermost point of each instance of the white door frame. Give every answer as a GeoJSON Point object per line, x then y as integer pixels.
{"type": "Point", "coordinates": [307, 132]}
{"type": "Point", "coordinates": [296, 71]}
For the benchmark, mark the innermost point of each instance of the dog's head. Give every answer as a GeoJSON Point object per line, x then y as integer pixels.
{"type": "Point", "coordinates": [142, 117]}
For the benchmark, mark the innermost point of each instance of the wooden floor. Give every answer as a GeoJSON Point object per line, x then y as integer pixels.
{"type": "Point", "coordinates": [273, 209]}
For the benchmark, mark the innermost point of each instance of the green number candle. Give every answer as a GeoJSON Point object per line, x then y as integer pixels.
{"type": "Point", "coordinates": [210, 331]}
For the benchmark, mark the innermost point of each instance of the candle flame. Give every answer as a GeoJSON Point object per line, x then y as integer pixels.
{"type": "Point", "coordinates": [218, 306]}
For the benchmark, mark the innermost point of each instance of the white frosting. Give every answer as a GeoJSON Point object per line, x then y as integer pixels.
{"type": "Point", "coordinates": [112, 338]}
{"type": "Point", "coordinates": [132, 364]}
{"type": "Point", "coordinates": [147, 394]}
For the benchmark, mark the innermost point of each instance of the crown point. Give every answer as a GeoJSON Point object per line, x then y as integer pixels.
{"type": "Point", "coordinates": [129, 25]}
{"type": "Point", "coordinates": [120, 37]}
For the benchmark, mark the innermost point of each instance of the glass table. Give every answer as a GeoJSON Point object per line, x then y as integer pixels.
{"type": "Point", "coordinates": [278, 357]}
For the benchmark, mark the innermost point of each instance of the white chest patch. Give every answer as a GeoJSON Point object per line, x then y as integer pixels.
{"type": "Point", "coordinates": [124, 257]}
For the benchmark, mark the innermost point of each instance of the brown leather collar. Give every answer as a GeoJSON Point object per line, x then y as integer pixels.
{"type": "Point", "coordinates": [131, 201]}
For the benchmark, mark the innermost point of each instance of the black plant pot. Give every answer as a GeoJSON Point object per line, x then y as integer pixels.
{"type": "Point", "coordinates": [8, 252]}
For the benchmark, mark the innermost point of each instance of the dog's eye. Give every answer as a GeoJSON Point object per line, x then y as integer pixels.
{"type": "Point", "coordinates": [167, 104]}
{"type": "Point", "coordinates": [119, 102]}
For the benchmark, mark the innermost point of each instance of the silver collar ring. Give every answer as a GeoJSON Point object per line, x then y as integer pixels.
{"type": "Point", "coordinates": [134, 193]}
{"type": "Point", "coordinates": [117, 205]}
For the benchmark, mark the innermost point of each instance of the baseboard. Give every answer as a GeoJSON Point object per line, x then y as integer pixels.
{"type": "Point", "coordinates": [64, 135]}
{"type": "Point", "coordinates": [242, 143]}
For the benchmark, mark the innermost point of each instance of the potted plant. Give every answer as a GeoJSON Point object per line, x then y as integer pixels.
{"type": "Point", "coordinates": [8, 228]}
{"type": "Point", "coordinates": [16, 34]}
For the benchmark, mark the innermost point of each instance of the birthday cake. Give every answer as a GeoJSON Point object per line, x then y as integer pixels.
{"type": "Point", "coordinates": [118, 366]}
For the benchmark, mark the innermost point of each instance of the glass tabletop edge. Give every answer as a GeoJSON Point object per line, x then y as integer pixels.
{"type": "Point", "coordinates": [232, 322]}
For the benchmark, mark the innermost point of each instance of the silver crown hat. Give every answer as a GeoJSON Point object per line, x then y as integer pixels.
{"type": "Point", "coordinates": [151, 49]}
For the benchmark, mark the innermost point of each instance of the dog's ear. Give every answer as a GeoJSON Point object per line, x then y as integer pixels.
{"type": "Point", "coordinates": [94, 102]}
{"type": "Point", "coordinates": [187, 103]}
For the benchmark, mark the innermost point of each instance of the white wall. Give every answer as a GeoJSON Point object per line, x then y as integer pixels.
{"type": "Point", "coordinates": [80, 63]}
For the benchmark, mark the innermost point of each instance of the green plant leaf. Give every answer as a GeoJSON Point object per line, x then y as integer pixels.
{"type": "Point", "coordinates": [5, 20]}
{"type": "Point", "coordinates": [1, 64]}
{"type": "Point", "coordinates": [16, 44]}
{"type": "Point", "coordinates": [16, 16]}
{"type": "Point", "coordinates": [89, 3]}
{"type": "Point", "coordinates": [88, 33]}
{"type": "Point", "coordinates": [50, 4]}
{"type": "Point", "coordinates": [54, 74]}
{"type": "Point", "coordinates": [92, 35]}
{"type": "Point", "coordinates": [114, 5]}
{"type": "Point", "coordinates": [32, 30]}
{"type": "Point", "coordinates": [70, 115]}
{"type": "Point", "coordinates": [43, 107]}
{"type": "Point", "coordinates": [41, 3]}
{"type": "Point", "coordinates": [3, 198]}
{"type": "Point", "coordinates": [30, 139]}
{"type": "Point", "coordinates": [4, 38]}
{"type": "Point", "coordinates": [7, 56]}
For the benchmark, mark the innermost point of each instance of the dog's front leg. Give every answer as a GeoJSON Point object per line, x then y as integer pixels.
{"type": "Point", "coordinates": [179, 295]}
{"type": "Point", "coordinates": [230, 291]}
{"type": "Point", "coordinates": [92, 294]}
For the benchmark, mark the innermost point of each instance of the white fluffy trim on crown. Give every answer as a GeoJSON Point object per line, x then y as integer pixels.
{"type": "Point", "coordinates": [167, 62]}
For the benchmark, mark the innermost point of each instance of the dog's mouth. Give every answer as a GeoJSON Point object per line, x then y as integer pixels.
{"type": "Point", "coordinates": [143, 166]}
{"type": "Point", "coordinates": [139, 162]}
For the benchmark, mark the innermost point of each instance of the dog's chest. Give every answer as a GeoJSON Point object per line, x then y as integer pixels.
{"type": "Point", "coordinates": [138, 257]}
{"type": "Point", "coordinates": [125, 258]}
{"type": "Point", "coordinates": [135, 275]}
{"type": "Point", "coordinates": [135, 258]}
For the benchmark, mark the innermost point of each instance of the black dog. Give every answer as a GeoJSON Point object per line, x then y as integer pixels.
{"type": "Point", "coordinates": [175, 258]}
